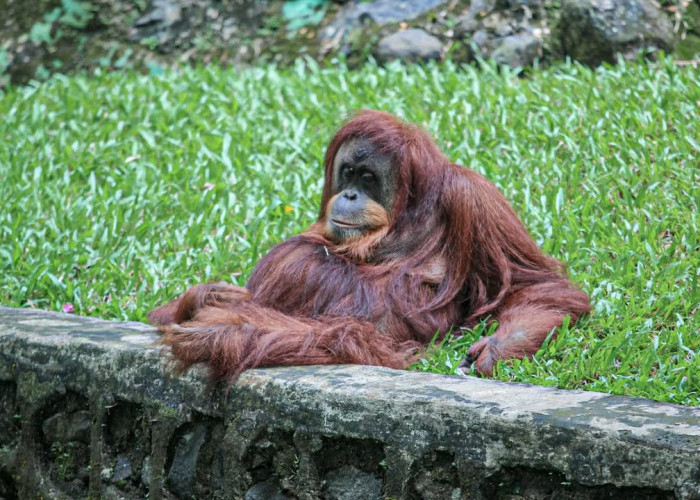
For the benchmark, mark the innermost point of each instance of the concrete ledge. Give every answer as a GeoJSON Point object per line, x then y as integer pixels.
{"type": "Point", "coordinates": [85, 411]}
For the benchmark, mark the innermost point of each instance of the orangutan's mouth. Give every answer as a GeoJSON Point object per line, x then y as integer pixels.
{"type": "Point", "coordinates": [345, 225]}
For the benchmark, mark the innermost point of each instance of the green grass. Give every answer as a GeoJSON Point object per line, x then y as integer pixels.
{"type": "Point", "coordinates": [119, 191]}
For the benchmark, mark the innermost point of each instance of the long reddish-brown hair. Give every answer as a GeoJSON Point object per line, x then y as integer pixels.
{"type": "Point", "coordinates": [450, 252]}
{"type": "Point", "coordinates": [448, 211]}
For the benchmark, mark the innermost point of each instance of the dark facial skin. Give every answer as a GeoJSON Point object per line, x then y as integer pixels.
{"type": "Point", "coordinates": [364, 184]}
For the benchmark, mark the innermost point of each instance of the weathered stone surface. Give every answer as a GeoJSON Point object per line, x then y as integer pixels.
{"type": "Point", "coordinates": [8, 421]}
{"type": "Point", "coordinates": [508, 31]}
{"type": "Point", "coordinates": [386, 11]}
{"type": "Point", "coordinates": [267, 490]}
{"type": "Point", "coordinates": [63, 427]}
{"type": "Point", "coordinates": [348, 483]}
{"type": "Point", "coordinates": [481, 40]}
{"type": "Point", "coordinates": [409, 45]}
{"type": "Point", "coordinates": [159, 21]}
{"type": "Point", "coordinates": [518, 51]}
{"type": "Point", "coordinates": [595, 31]}
{"type": "Point", "coordinates": [162, 12]}
{"type": "Point", "coordinates": [181, 476]}
{"type": "Point", "coordinates": [470, 20]}
{"type": "Point", "coordinates": [425, 435]}
{"type": "Point", "coordinates": [122, 469]}
{"type": "Point", "coordinates": [378, 12]}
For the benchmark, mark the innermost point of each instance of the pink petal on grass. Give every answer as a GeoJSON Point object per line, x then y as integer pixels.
{"type": "Point", "coordinates": [68, 308]}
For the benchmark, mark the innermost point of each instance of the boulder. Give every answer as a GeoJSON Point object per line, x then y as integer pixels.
{"type": "Point", "coordinates": [508, 31]}
{"type": "Point", "coordinates": [470, 21]}
{"type": "Point", "coordinates": [379, 12]}
{"type": "Point", "coordinates": [595, 31]}
{"type": "Point", "coordinates": [518, 51]}
{"type": "Point", "coordinates": [409, 45]}
{"type": "Point", "coordinates": [390, 11]}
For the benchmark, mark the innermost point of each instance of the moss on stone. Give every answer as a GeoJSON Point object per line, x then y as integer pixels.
{"type": "Point", "coordinates": [688, 48]}
{"type": "Point", "coordinates": [290, 429]}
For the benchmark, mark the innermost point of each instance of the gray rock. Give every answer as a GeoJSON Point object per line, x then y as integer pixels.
{"type": "Point", "coordinates": [390, 11]}
{"type": "Point", "coordinates": [595, 31]}
{"type": "Point", "coordinates": [378, 12]}
{"type": "Point", "coordinates": [164, 13]}
{"type": "Point", "coordinates": [518, 51]}
{"type": "Point", "coordinates": [267, 490]}
{"type": "Point", "coordinates": [382, 12]}
{"type": "Point", "coordinates": [481, 39]}
{"type": "Point", "coordinates": [409, 45]}
{"type": "Point", "coordinates": [498, 23]}
{"type": "Point", "coordinates": [122, 469]}
{"type": "Point", "coordinates": [490, 24]}
{"type": "Point", "coordinates": [471, 20]}
{"type": "Point", "coordinates": [349, 483]}
{"type": "Point", "coordinates": [181, 477]}
{"type": "Point", "coordinates": [112, 493]}
{"type": "Point", "coordinates": [500, 17]}
{"type": "Point", "coordinates": [64, 427]}
{"type": "Point", "coordinates": [146, 471]}
{"type": "Point", "coordinates": [520, 4]}
{"type": "Point", "coordinates": [160, 22]}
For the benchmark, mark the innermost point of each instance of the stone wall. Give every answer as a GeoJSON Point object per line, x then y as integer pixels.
{"type": "Point", "coordinates": [85, 411]}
